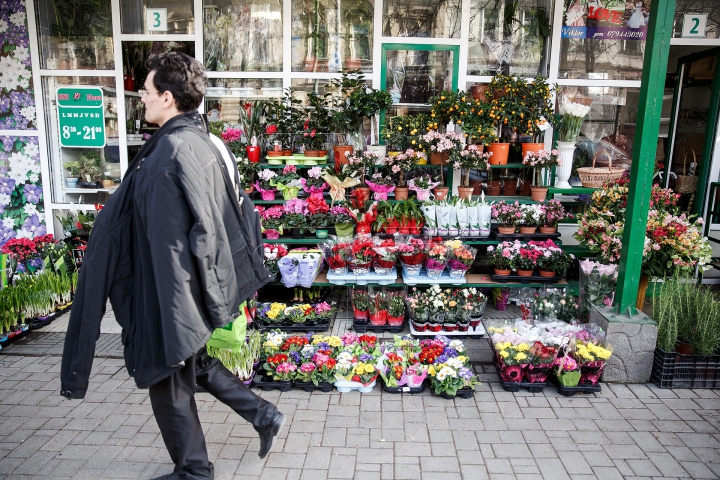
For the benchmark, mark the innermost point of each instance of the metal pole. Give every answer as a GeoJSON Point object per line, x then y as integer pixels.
{"type": "Point", "coordinates": [652, 88]}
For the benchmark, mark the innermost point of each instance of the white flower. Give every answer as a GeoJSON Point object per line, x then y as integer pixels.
{"type": "Point", "coordinates": [3, 26]}
{"type": "Point", "coordinates": [21, 53]}
{"type": "Point", "coordinates": [30, 209]}
{"type": "Point", "coordinates": [8, 223]}
{"type": "Point", "coordinates": [22, 233]}
{"type": "Point", "coordinates": [4, 199]}
{"type": "Point", "coordinates": [18, 18]}
{"type": "Point", "coordinates": [34, 177]}
{"type": "Point", "coordinates": [28, 112]}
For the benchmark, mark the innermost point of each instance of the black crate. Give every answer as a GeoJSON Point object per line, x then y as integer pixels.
{"type": "Point", "coordinates": [532, 387]}
{"type": "Point", "coordinates": [368, 327]}
{"type": "Point", "coordinates": [523, 279]}
{"type": "Point", "coordinates": [675, 370]}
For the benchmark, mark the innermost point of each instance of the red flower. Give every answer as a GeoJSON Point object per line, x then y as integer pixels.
{"type": "Point", "coordinates": [270, 129]}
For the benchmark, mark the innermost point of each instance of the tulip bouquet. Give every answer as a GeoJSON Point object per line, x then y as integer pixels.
{"type": "Point", "coordinates": [574, 109]}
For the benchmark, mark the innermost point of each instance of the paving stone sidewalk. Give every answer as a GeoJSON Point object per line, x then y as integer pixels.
{"type": "Point", "coordinates": [626, 431]}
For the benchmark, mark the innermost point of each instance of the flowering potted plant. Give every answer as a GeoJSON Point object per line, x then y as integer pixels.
{"type": "Point", "coordinates": [323, 311]}
{"type": "Point", "coordinates": [442, 146]}
{"type": "Point", "coordinates": [247, 171]}
{"type": "Point", "coordinates": [315, 184]}
{"type": "Point", "coordinates": [359, 163]}
{"type": "Point", "coordinates": [531, 217]}
{"type": "Point", "coordinates": [336, 256]}
{"type": "Point", "coordinates": [380, 185]}
{"type": "Point", "coordinates": [542, 358]}
{"type": "Point", "coordinates": [272, 253]}
{"type": "Point", "coordinates": [450, 377]}
{"type": "Point", "coordinates": [597, 286]}
{"type": "Point", "coordinates": [551, 213]}
{"type": "Point", "coordinates": [396, 310]}
{"type": "Point", "coordinates": [460, 259]}
{"type": "Point", "coordinates": [508, 215]}
{"type": "Point", "coordinates": [436, 260]}
{"type": "Point", "coordinates": [361, 256]}
{"type": "Point", "coordinates": [591, 358]}
{"type": "Point", "coordinates": [278, 368]}
{"type": "Point", "coordinates": [401, 164]}
{"type": "Point", "coordinates": [385, 257]}
{"type": "Point", "coordinates": [537, 98]}
{"type": "Point", "coordinates": [365, 374]}
{"type": "Point", "coordinates": [360, 303]}
{"type": "Point", "coordinates": [295, 216]}
{"type": "Point", "coordinates": [272, 221]}
{"type": "Point", "coordinates": [469, 159]}
{"type": "Point", "coordinates": [541, 161]}
{"type": "Point", "coordinates": [573, 109]}
{"type": "Point", "coordinates": [422, 186]}
{"type": "Point", "coordinates": [502, 257]}
{"type": "Point", "coordinates": [552, 259]}
{"type": "Point", "coordinates": [344, 223]}
{"type": "Point", "coordinates": [412, 256]}
{"type": "Point", "coordinates": [419, 311]}
{"type": "Point", "coordinates": [378, 309]}
{"type": "Point", "coordinates": [567, 371]}
{"type": "Point", "coordinates": [264, 186]}
{"type": "Point", "coordinates": [513, 360]}
{"type": "Point", "coordinates": [289, 182]}
{"type": "Point", "coordinates": [526, 260]}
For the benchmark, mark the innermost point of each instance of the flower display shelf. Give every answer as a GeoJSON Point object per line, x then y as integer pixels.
{"type": "Point", "coordinates": [465, 392]}
{"type": "Point", "coordinates": [322, 326]}
{"type": "Point", "coordinates": [525, 237]}
{"type": "Point", "coordinates": [532, 387]}
{"type": "Point", "coordinates": [473, 332]}
{"type": "Point", "coordinates": [10, 340]}
{"type": "Point", "coordinates": [423, 279]}
{"type": "Point", "coordinates": [570, 391]}
{"type": "Point", "coordinates": [675, 370]}
{"type": "Point", "coordinates": [281, 165]}
{"type": "Point", "coordinates": [352, 279]}
{"type": "Point", "coordinates": [324, 387]}
{"type": "Point", "coordinates": [368, 327]}
{"type": "Point", "coordinates": [267, 384]}
{"type": "Point", "coordinates": [404, 389]}
{"type": "Point", "coordinates": [344, 386]}
{"type": "Point", "coordinates": [523, 280]}
{"type": "Point", "coordinates": [297, 160]}
{"type": "Point", "coordinates": [40, 322]}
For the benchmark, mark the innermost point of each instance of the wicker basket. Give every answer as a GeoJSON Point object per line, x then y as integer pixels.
{"type": "Point", "coordinates": [687, 183]}
{"type": "Point", "coordinates": [596, 177]}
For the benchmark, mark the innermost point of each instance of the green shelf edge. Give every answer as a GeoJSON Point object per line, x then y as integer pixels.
{"type": "Point", "coordinates": [572, 191]}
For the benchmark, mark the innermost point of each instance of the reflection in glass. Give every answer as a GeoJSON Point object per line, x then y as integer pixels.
{"type": "Point", "coordinates": [75, 34]}
{"type": "Point", "coordinates": [413, 76]}
{"type": "Point", "coordinates": [243, 35]}
{"type": "Point", "coordinates": [332, 35]}
{"type": "Point", "coordinates": [224, 97]}
{"type": "Point", "coordinates": [509, 37]}
{"type": "Point", "coordinates": [136, 53]}
{"type": "Point", "coordinates": [180, 19]}
{"type": "Point", "coordinates": [609, 133]}
{"type": "Point", "coordinates": [301, 87]}
{"type": "Point", "coordinates": [422, 18]}
{"type": "Point", "coordinates": [58, 155]}
{"type": "Point", "coordinates": [711, 7]}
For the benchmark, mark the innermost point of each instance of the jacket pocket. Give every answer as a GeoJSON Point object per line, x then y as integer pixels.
{"type": "Point", "coordinates": [242, 268]}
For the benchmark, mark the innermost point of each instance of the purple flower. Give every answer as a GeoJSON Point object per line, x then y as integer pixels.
{"type": "Point", "coordinates": [450, 352]}
{"type": "Point", "coordinates": [366, 357]}
{"type": "Point", "coordinates": [295, 356]}
{"type": "Point", "coordinates": [465, 373]}
{"type": "Point", "coordinates": [443, 339]}
{"type": "Point", "coordinates": [4, 104]}
{"type": "Point", "coordinates": [32, 193]}
{"type": "Point", "coordinates": [7, 185]}
{"type": "Point", "coordinates": [324, 346]}
{"type": "Point", "coordinates": [442, 359]}
{"type": "Point", "coordinates": [6, 234]}
{"type": "Point", "coordinates": [32, 224]}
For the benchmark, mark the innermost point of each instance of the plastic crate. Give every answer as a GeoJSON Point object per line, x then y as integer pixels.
{"type": "Point", "coordinates": [675, 370]}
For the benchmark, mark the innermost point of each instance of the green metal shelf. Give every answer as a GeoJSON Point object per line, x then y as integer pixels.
{"type": "Point", "coordinates": [572, 191]}
{"type": "Point", "coordinates": [510, 165]}
{"type": "Point", "coordinates": [282, 165]}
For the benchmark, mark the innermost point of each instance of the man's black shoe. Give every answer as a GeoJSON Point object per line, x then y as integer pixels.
{"type": "Point", "coordinates": [267, 437]}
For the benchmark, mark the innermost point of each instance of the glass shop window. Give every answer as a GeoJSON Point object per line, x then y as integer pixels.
{"type": "Point", "coordinates": [166, 17]}
{"type": "Point", "coordinates": [422, 18]}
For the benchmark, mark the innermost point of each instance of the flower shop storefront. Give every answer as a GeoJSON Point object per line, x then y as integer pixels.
{"type": "Point", "coordinates": [419, 163]}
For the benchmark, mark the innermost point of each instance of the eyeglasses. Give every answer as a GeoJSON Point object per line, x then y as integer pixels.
{"type": "Point", "coordinates": [144, 92]}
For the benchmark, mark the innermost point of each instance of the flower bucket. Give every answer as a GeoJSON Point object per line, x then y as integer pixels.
{"type": "Point", "coordinates": [271, 234]}
{"type": "Point", "coordinates": [360, 268]}
{"type": "Point", "coordinates": [268, 194]}
{"type": "Point", "coordinates": [340, 270]}
{"type": "Point", "coordinates": [307, 269]}
{"type": "Point", "coordinates": [253, 153]}
{"type": "Point", "coordinates": [457, 273]}
{"type": "Point", "coordinates": [383, 266]}
{"type": "Point", "coordinates": [537, 374]}
{"type": "Point", "coordinates": [434, 327]}
{"type": "Point", "coordinates": [379, 318]}
{"type": "Point", "coordinates": [591, 372]}
{"type": "Point", "coordinates": [449, 327]}
{"type": "Point", "coordinates": [360, 314]}
{"type": "Point", "coordinates": [395, 321]}
{"type": "Point", "coordinates": [463, 327]}
{"type": "Point", "coordinates": [344, 229]}
{"type": "Point", "coordinates": [411, 270]}
{"type": "Point", "coordinates": [420, 327]}
{"type": "Point", "coordinates": [474, 232]}
{"type": "Point", "coordinates": [499, 152]}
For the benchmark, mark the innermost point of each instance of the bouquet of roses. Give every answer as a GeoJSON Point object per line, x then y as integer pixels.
{"type": "Point", "coordinates": [461, 256]}
{"type": "Point", "coordinates": [385, 255]}
{"type": "Point", "coordinates": [413, 252]}
{"type": "Point", "coordinates": [437, 259]}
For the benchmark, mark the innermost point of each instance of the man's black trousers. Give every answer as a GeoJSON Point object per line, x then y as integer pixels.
{"type": "Point", "coordinates": [173, 402]}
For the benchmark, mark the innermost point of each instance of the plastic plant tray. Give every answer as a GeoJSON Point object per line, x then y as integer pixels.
{"type": "Point", "coordinates": [368, 327]}
{"type": "Point", "coordinates": [403, 389]}
{"type": "Point", "coordinates": [37, 323]}
{"type": "Point", "coordinates": [344, 386]}
{"type": "Point", "coordinates": [311, 387]}
{"type": "Point", "coordinates": [532, 387]}
{"type": "Point", "coordinates": [473, 332]}
{"type": "Point", "coordinates": [521, 279]}
{"type": "Point", "coordinates": [465, 392]}
{"type": "Point", "coordinates": [298, 327]}
{"type": "Point", "coordinates": [262, 382]}
{"type": "Point", "coordinates": [352, 279]}
{"type": "Point", "coordinates": [570, 391]}
{"type": "Point", "coordinates": [423, 279]}
{"type": "Point", "coordinates": [509, 237]}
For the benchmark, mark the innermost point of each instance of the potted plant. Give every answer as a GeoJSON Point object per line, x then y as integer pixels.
{"type": "Point", "coordinates": [344, 223]}
{"type": "Point", "coordinates": [508, 215]}
{"type": "Point", "coordinates": [378, 309]}
{"type": "Point", "coordinates": [402, 132]}
{"type": "Point", "coordinates": [502, 257]}
{"type": "Point", "coordinates": [552, 259]}
{"type": "Point", "coordinates": [295, 216]}
{"type": "Point", "coordinates": [361, 303]}
{"type": "Point", "coordinates": [541, 161]}
{"type": "Point", "coordinates": [247, 171]}
{"type": "Point", "coordinates": [508, 110]}
{"type": "Point", "coordinates": [272, 221]}
{"type": "Point", "coordinates": [440, 147]}
{"type": "Point", "coordinates": [250, 116]}
{"type": "Point", "coordinates": [381, 185]}
{"type": "Point", "coordinates": [400, 164]}
{"type": "Point", "coordinates": [422, 186]}
{"type": "Point", "coordinates": [315, 184]}
{"type": "Point", "coordinates": [466, 160]}
{"type": "Point", "coordinates": [396, 309]}
{"type": "Point", "coordinates": [552, 212]}
{"type": "Point", "coordinates": [73, 173]}
{"type": "Point", "coordinates": [360, 163]}
{"type": "Point", "coordinates": [288, 182]}
{"type": "Point", "coordinates": [537, 98]}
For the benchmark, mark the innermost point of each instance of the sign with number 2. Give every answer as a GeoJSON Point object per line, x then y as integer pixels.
{"type": "Point", "coordinates": [156, 19]}
{"type": "Point", "coordinates": [694, 25]}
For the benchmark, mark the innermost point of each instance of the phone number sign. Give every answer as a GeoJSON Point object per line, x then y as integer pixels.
{"type": "Point", "coordinates": [81, 117]}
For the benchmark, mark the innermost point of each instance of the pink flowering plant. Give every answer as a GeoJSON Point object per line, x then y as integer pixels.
{"type": "Point", "coordinates": [469, 159]}
{"type": "Point", "coordinates": [323, 311]}
{"type": "Point", "coordinates": [503, 255]}
{"type": "Point", "coordinates": [552, 212]}
{"type": "Point", "coordinates": [315, 183]}
{"type": "Point", "coordinates": [567, 371]}
{"type": "Point", "coordinates": [340, 214]}
{"type": "Point", "coordinates": [552, 258]}
{"type": "Point", "coordinates": [306, 372]}
{"type": "Point", "coordinates": [272, 217]}
{"type": "Point", "coordinates": [265, 176]}
{"type": "Point", "coordinates": [449, 142]}
{"type": "Point", "coordinates": [507, 214]}
{"type": "Point", "coordinates": [285, 371]}
{"type": "Point", "coordinates": [542, 160]}
{"type": "Point", "coordinates": [399, 164]}
{"type": "Point", "coordinates": [295, 213]}
{"type": "Point", "coordinates": [360, 162]}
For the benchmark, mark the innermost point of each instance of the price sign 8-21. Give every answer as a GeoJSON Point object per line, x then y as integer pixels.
{"type": "Point", "coordinates": [81, 117]}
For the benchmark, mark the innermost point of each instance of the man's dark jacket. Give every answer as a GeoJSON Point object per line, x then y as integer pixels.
{"type": "Point", "coordinates": [174, 251]}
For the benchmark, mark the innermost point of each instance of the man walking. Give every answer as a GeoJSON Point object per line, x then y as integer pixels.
{"type": "Point", "coordinates": [176, 249]}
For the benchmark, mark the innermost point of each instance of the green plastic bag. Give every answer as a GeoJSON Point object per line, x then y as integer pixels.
{"type": "Point", "coordinates": [231, 336]}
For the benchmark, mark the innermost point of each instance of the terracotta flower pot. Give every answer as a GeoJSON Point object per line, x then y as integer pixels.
{"type": "Point", "coordinates": [312, 153]}
{"type": "Point", "coordinates": [464, 192]}
{"type": "Point", "coordinates": [528, 230]}
{"type": "Point", "coordinates": [493, 188]}
{"type": "Point", "coordinates": [274, 153]}
{"type": "Point", "coordinates": [538, 193]}
{"type": "Point", "coordinates": [439, 158]}
{"type": "Point", "coordinates": [340, 153]}
{"type": "Point", "coordinates": [524, 273]}
{"type": "Point", "coordinates": [510, 188]}
{"type": "Point", "coordinates": [401, 193]}
{"type": "Point", "coordinates": [547, 230]}
{"type": "Point", "coordinates": [440, 192]}
{"type": "Point", "coordinates": [365, 196]}
{"type": "Point", "coordinates": [287, 153]}
{"type": "Point", "coordinates": [502, 273]}
{"type": "Point", "coordinates": [505, 230]}
{"type": "Point", "coordinates": [499, 152]}
{"type": "Point", "coordinates": [250, 190]}
{"type": "Point", "coordinates": [531, 147]}
{"type": "Point", "coordinates": [546, 273]}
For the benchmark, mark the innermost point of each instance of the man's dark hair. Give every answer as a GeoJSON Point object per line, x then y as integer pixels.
{"type": "Point", "coordinates": [181, 75]}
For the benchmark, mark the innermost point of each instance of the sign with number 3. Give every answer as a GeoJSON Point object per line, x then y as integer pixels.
{"type": "Point", "coordinates": [156, 19]}
{"type": "Point", "coordinates": [694, 25]}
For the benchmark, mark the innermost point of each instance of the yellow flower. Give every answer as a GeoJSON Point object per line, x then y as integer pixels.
{"type": "Point", "coordinates": [502, 345]}
{"type": "Point", "coordinates": [334, 341]}
{"type": "Point", "coordinates": [522, 347]}
{"type": "Point", "coordinates": [431, 370]}
{"type": "Point", "coordinates": [520, 356]}
{"type": "Point", "coordinates": [504, 353]}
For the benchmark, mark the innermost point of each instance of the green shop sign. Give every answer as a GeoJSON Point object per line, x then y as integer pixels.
{"type": "Point", "coordinates": [81, 117]}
